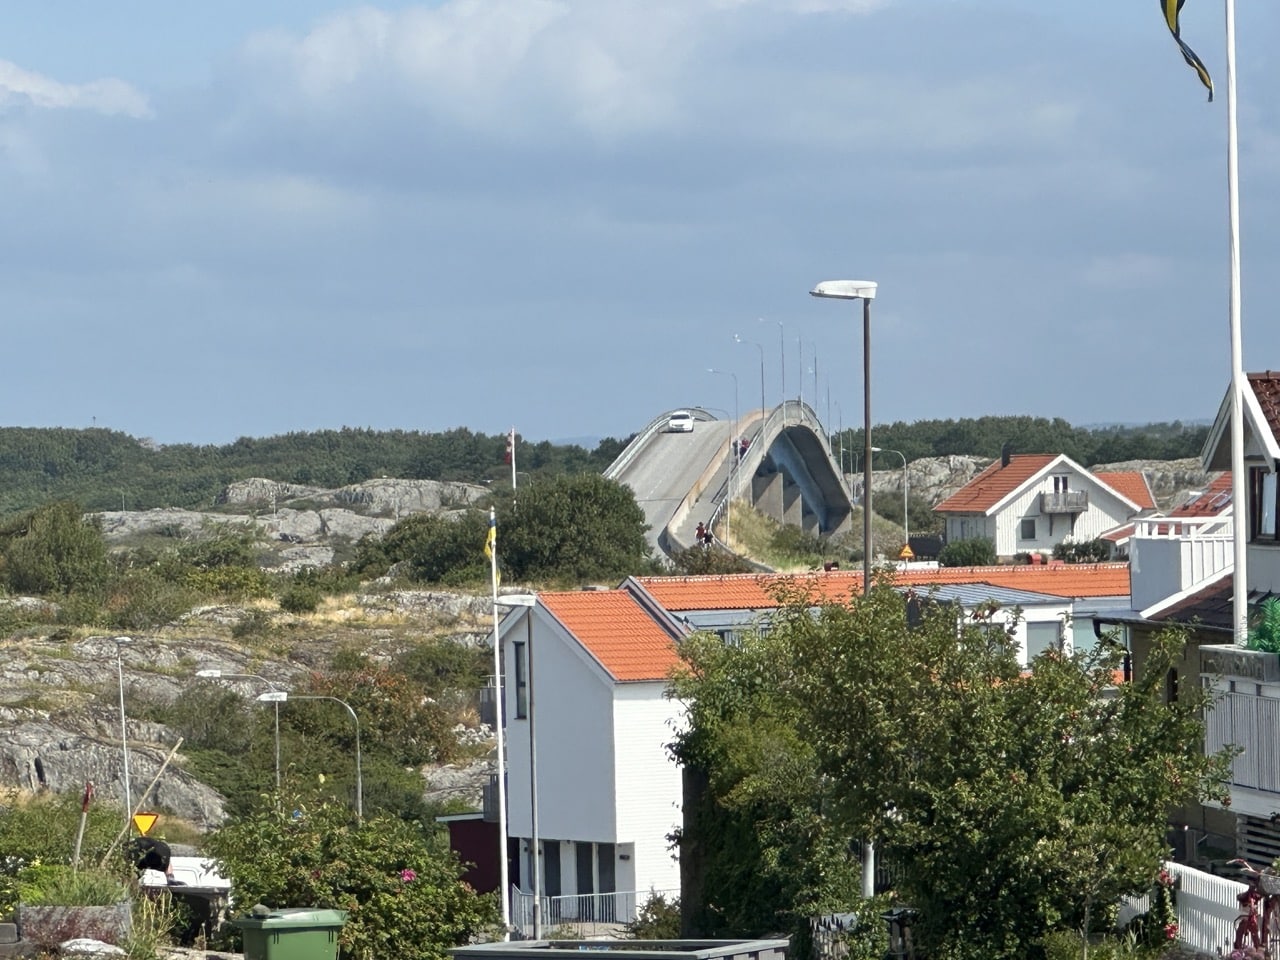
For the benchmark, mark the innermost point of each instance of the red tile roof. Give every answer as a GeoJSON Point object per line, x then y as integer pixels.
{"type": "Point", "coordinates": [995, 483]}
{"type": "Point", "coordinates": [1209, 502]}
{"type": "Point", "coordinates": [1132, 485]}
{"type": "Point", "coordinates": [629, 643]}
{"type": "Point", "coordinates": [1266, 387]}
{"type": "Point", "coordinates": [756, 591]}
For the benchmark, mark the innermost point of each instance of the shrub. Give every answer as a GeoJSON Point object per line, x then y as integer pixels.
{"type": "Point", "coordinates": [62, 886]}
{"type": "Point", "coordinates": [657, 919]}
{"type": "Point", "coordinates": [300, 598]}
{"type": "Point", "coordinates": [1086, 551]}
{"type": "Point", "coordinates": [974, 552]}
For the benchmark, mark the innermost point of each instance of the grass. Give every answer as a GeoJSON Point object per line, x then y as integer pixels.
{"type": "Point", "coordinates": [787, 550]}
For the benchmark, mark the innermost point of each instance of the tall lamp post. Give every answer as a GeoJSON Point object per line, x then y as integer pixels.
{"type": "Point", "coordinates": [738, 339]}
{"type": "Point", "coordinates": [283, 696]}
{"type": "Point", "coordinates": [906, 530]}
{"type": "Point", "coordinates": [864, 290]}
{"type": "Point", "coordinates": [782, 363]}
{"type": "Point", "coordinates": [271, 684]}
{"type": "Point", "coordinates": [733, 454]}
{"type": "Point", "coordinates": [124, 729]}
{"type": "Point", "coordinates": [530, 600]}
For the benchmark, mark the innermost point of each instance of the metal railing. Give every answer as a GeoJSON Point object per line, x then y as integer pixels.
{"type": "Point", "coordinates": [584, 914]}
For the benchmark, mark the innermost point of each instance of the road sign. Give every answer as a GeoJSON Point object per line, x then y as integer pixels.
{"type": "Point", "coordinates": [145, 821]}
{"type": "Point", "coordinates": [906, 553]}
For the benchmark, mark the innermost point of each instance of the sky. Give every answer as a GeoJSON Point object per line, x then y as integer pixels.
{"type": "Point", "coordinates": [245, 219]}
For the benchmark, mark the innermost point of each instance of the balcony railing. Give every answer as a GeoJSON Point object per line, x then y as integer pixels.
{"type": "Point", "coordinates": [1243, 718]}
{"type": "Point", "coordinates": [1064, 501]}
{"type": "Point", "coordinates": [1171, 555]}
{"type": "Point", "coordinates": [585, 914]}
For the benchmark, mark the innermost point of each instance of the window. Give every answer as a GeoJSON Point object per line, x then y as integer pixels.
{"type": "Point", "coordinates": [1042, 636]}
{"type": "Point", "coordinates": [522, 680]}
{"type": "Point", "coordinates": [1028, 531]}
{"type": "Point", "coordinates": [1262, 500]}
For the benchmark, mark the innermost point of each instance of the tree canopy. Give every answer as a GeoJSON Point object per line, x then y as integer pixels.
{"type": "Point", "coordinates": [1010, 802]}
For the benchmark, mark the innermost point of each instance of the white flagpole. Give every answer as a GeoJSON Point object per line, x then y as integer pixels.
{"type": "Point", "coordinates": [1239, 508]}
{"type": "Point", "coordinates": [511, 442]}
{"type": "Point", "coordinates": [504, 882]}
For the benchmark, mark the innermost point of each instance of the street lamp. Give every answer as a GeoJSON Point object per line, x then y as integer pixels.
{"type": "Point", "coordinates": [864, 290]}
{"type": "Point", "coordinates": [906, 530]}
{"type": "Point", "coordinates": [218, 674]}
{"type": "Point", "coordinates": [124, 731]}
{"type": "Point", "coordinates": [733, 455]}
{"type": "Point", "coordinates": [282, 696]}
{"type": "Point", "coordinates": [738, 339]}
{"type": "Point", "coordinates": [782, 362]}
{"type": "Point", "coordinates": [530, 600]}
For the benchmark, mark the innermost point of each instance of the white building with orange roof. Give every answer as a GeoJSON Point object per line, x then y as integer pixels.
{"type": "Point", "coordinates": [1030, 503]}
{"type": "Point", "coordinates": [586, 673]}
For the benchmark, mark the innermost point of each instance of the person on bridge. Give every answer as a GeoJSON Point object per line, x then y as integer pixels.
{"type": "Point", "coordinates": [700, 534]}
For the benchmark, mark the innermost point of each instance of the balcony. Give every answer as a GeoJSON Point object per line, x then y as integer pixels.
{"type": "Point", "coordinates": [1168, 556]}
{"type": "Point", "coordinates": [1064, 501]}
{"type": "Point", "coordinates": [1247, 715]}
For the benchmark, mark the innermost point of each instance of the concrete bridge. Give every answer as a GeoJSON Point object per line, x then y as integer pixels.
{"type": "Point", "coordinates": [788, 473]}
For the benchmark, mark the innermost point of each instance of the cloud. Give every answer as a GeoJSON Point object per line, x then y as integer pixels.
{"type": "Point", "coordinates": [108, 96]}
{"type": "Point", "coordinates": [513, 68]}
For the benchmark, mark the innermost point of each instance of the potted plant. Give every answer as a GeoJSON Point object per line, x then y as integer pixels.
{"type": "Point", "coordinates": [58, 903]}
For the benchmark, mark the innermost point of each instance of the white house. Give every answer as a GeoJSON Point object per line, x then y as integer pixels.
{"type": "Point", "coordinates": [1029, 503]}
{"type": "Point", "coordinates": [1182, 569]}
{"type": "Point", "coordinates": [586, 673]}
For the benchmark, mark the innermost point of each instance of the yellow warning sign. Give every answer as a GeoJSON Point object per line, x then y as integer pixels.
{"type": "Point", "coordinates": [145, 821]}
{"type": "Point", "coordinates": [906, 552]}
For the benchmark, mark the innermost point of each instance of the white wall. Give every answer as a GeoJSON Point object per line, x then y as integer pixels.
{"type": "Point", "coordinates": [1105, 510]}
{"type": "Point", "coordinates": [573, 709]}
{"type": "Point", "coordinates": [648, 781]}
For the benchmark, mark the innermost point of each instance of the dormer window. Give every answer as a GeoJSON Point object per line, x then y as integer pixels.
{"type": "Point", "coordinates": [1262, 503]}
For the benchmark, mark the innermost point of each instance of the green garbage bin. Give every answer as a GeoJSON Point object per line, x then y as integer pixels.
{"type": "Point", "coordinates": [298, 933]}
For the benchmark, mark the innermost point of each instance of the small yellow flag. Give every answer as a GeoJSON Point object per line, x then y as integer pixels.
{"type": "Point", "coordinates": [906, 553]}
{"type": "Point", "coordinates": [145, 821]}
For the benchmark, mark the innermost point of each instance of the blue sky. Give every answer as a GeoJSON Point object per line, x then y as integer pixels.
{"type": "Point", "coordinates": [247, 218]}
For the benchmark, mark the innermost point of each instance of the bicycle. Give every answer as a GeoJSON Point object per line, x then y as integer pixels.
{"type": "Point", "coordinates": [1259, 930]}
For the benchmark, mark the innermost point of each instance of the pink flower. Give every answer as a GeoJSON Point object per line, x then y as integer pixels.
{"type": "Point", "coordinates": [408, 876]}
{"type": "Point", "coordinates": [1171, 931]}
{"type": "Point", "coordinates": [1165, 878]}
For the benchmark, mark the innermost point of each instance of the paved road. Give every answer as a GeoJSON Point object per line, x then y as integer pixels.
{"type": "Point", "coordinates": [670, 464]}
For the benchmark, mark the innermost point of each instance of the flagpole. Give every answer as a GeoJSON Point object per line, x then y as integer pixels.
{"type": "Point", "coordinates": [504, 882]}
{"type": "Point", "coordinates": [511, 445]}
{"type": "Point", "coordinates": [1239, 509]}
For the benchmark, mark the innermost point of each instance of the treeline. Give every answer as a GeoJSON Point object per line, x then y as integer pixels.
{"type": "Point", "coordinates": [108, 470]}
{"type": "Point", "coordinates": [985, 436]}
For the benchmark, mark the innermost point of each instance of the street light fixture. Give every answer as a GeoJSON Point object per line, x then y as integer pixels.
{"type": "Point", "coordinates": [530, 600]}
{"type": "Point", "coordinates": [733, 456]}
{"type": "Point", "coordinates": [124, 730]}
{"type": "Point", "coordinates": [219, 675]}
{"type": "Point", "coordinates": [864, 290]}
{"type": "Point", "coordinates": [906, 530]}
{"type": "Point", "coordinates": [283, 696]}
{"type": "Point", "coordinates": [738, 339]}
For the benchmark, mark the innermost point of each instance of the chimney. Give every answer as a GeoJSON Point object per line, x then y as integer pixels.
{"type": "Point", "coordinates": [1006, 451]}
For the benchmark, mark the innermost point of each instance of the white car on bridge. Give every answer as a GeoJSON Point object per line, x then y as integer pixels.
{"type": "Point", "coordinates": [680, 422]}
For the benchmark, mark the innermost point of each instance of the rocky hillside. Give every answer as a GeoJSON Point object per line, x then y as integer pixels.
{"type": "Point", "coordinates": [59, 708]}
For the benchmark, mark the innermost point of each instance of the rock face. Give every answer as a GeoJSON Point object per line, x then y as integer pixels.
{"type": "Point", "coordinates": [301, 525]}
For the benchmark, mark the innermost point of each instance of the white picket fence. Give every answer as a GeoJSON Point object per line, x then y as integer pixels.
{"type": "Point", "coordinates": [1207, 908]}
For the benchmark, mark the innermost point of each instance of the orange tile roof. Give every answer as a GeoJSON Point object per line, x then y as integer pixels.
{"type": "Point", "coordinates": [1132, 485]}
{"type": "Point", "coordinates": [995, 483]}
{"type": "Point", "coordinates": [1266, 387]}
{"type": "Point", "coordinates": [758, 591]}
{"type": "Point", "coordinates": [1210, 502]}
{"type": "Point", "coordinates": [617, 631]}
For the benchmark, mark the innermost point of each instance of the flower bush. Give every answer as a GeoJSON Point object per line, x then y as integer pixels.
{"type": "Point", "coordinates": [399, 883]}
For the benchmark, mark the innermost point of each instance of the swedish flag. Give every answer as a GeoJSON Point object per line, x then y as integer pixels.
{"type": "Point", "coordinates": [1171, 10]}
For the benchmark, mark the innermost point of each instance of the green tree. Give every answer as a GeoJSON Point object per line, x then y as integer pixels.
{"type": "Point", "coordinates": [755, 832]}
{"type": "Point", "coordinates": [402, 888]}
{"type": "Point", "coordinates": [1013, 803]}
{"type": "Point", "coordinates": [575, 528]}
{"type": "Point", "coordinates": [974, 552]}
{"type": "Point", "coordinates": [55, 549]}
